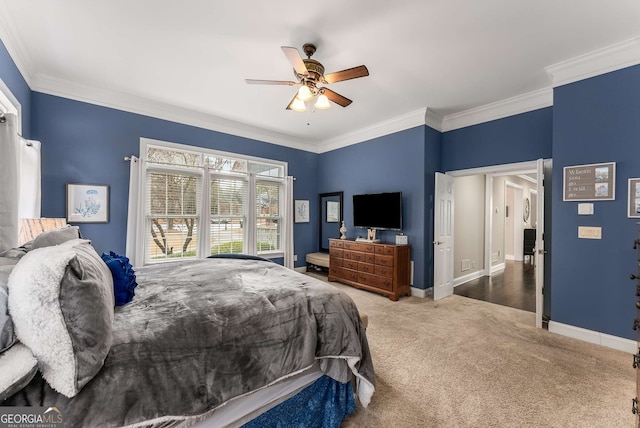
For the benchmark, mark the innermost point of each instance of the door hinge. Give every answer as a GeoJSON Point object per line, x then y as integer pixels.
{"type": "Point", "coordinates": [636, 359]}
{"type": "Point", "coordinates": [634, 406]}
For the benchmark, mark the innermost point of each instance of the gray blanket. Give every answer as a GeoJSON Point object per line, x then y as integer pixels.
{"type": "Point", "coordinates": [201, 332]}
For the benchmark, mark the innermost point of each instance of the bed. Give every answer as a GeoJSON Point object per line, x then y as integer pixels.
{"type": "Point", "coordinates": [208, 342]}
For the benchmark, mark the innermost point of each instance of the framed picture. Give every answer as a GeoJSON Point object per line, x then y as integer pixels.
{"type": "Point", "coordinates": [592, 182]}
{"type": "Point", "coordinates": [87, 203]}
{"type": "Point", "coordinates": [633, 210]}
{"type": "Point", "coordinates": [301, 214]}
{"type": "Point", "coordinates": [333, 211]}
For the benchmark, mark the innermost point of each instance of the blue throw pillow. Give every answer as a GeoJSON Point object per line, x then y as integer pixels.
{"type": "Point", "coordinates": [124, 278]}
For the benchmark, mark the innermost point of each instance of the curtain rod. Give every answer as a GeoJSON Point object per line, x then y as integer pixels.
{"type": "Point", "coordinates": [3, 119]}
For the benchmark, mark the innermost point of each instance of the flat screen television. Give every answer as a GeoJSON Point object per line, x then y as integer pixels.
{"type": "Point", "coordinates": [378, 211]}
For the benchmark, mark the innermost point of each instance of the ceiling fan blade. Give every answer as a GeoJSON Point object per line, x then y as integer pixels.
{"type": "Point", "coordinates": [350, 73]}
{"type": "Point", "coordinates": [295, 59]}
{"type": "Point", "coordinates": [336, 97]}
{"type": "Point", "coordinates": [269, 82]}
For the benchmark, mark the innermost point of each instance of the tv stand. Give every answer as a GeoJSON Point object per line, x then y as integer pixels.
{"type": "Point", "coordinates": [382, 268]}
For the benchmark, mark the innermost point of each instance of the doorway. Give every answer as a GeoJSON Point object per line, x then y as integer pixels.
{"type": "Point", "coordinates": [480, 240]}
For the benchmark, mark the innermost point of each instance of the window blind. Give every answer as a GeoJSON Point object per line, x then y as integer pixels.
{"type": "Point", "coordinates": [228, 215]}
{"type": "Point", "coordinates": [173, 208]}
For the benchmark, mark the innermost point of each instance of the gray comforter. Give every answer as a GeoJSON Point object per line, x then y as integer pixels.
{"type": "Point", "coordinates": [201, 332]}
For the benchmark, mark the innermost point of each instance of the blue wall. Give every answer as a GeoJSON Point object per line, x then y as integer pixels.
{"type": "Point", "coordinates": [392, 163]}
{"type": "Point", "coordinates": [432, 155]}
{"type": "Point", "coordinates": [85, 143]}
{"type": "Point", "coordinates": [519, 138]}
{"type": "Point", "coordinates": [596, 120]}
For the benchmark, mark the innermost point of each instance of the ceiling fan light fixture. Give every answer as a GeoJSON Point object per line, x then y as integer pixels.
{"type": "Point", "coordinates": [322, 103]}
{"type": "Point", "coordinates": [298, 105]}
{"type": "Point", "coordinates": [304, 93]}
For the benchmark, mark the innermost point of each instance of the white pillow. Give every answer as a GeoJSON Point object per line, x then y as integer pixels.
{"type": "Point", "coordinates": [17, 367]}
{"type": "Point", "coordinates": [61, 302]}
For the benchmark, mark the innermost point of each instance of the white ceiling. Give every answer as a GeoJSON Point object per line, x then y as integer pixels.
{"type": "Point", "coordinates": [187, 61]}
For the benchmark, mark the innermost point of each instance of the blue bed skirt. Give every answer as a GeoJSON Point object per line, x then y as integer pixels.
{"type": "Point", "coordinates": [323, 404]}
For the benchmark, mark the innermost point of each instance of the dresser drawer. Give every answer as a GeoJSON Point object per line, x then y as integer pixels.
{"type": "Point", "coordinates": [362, 257]}
{"type": "Point", "coordinates": [384, 260]}
{"type": "Point", "coordinates": [375, 281]}
{"type": "Point", "coordinates": [359, 246]}
{"type": "Point", "coordinates": [336, 244]}
{"type": "Point", "coordinates": [336, 252]}
{"type": "Point", "coordinates": [336, 261]}
{"type": "Point", "coordinates": [384, 271]}
{"type": "Point", "coordinates": [350, 264]}
{"type": "Point", "coordinates": [366, 267]}
{"type": "Point", "coordinates": [384, 250]}
{"type": "Point", "coordinates": [342, 273]}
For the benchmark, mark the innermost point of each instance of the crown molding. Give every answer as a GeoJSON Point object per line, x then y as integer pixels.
{"type": "Point", "coordinates": [500, 109]}
{"type": "Point", "coordinates": [601, 61]}
{"type": "Point", "coordinates": [160, 110]}
{"type": "Point", "coordinates": [397, 124]}
{"type": "Point", "coordinates": [14, 46]}
{"type": "Point", "coordinates": [433, 120]}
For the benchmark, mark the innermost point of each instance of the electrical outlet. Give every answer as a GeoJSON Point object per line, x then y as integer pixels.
{"type": "Point", "coordinates": [295, 257]}
{"type": "Point", "coordinates": [473, 263]}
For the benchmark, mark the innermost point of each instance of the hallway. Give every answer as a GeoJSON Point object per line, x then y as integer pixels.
{"type": "Point", "coordinates": [514, 287]}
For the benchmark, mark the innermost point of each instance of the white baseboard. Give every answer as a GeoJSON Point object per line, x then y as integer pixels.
{"type": "Point", "coordinates": [509, 257]}
{"type": "Point", "coordinates": [497, 268]}
{"type": "Point", "coordinates": [421, 292]}
{"type": "Point", "coordinates": [468, 277]}
{"type": "Point", "coordinates": [614, 342]}
{"type": "Point", "coordinates": [301, 269]}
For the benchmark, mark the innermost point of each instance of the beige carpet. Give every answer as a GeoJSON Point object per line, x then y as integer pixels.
{"type": "Point", "coordinates": [466, 363]}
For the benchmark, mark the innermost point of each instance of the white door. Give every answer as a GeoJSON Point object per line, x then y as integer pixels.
{"type": "Point", "coordinates": [443, 237]}
{"type": "Point", "coordinates": [540, 251]}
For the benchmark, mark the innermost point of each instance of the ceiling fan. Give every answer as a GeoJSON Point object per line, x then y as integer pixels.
{"type": "Point", "coordinates": [309, 74]}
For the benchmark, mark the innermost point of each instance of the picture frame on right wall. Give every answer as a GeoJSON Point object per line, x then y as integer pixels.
{"type": "Point", "coordinates": [633, 195]}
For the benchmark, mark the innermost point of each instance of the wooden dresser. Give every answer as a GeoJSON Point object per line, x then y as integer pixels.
{"type": "Point", "coordinates": [383, 268]}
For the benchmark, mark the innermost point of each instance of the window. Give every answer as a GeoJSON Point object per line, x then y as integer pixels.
{"type": "Point", "coordinates": [173, 214]}
{"type": "Point", "coordinates": [199, 202]}
{"type": "Point", "coordinates": [268, 216]}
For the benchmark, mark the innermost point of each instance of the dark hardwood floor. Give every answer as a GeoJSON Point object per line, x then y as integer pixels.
{"type": "Point", "coordinates": [514, 287]}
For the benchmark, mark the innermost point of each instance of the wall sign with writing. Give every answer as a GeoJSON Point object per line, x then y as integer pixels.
{"type": "Point", "coordinates": [594, 182]}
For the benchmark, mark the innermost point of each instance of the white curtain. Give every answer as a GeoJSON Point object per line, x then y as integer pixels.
{"type": "Point", "coordinates": [250, 246]}
{"type": "Point", "coordinates": [288, 231]}
{"type": "Point", "coordinates": [135, 206]}
{"type": "Point", "coordinates": [29, 172]}
{"type": "Point", "coordinates": [9, 183]}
